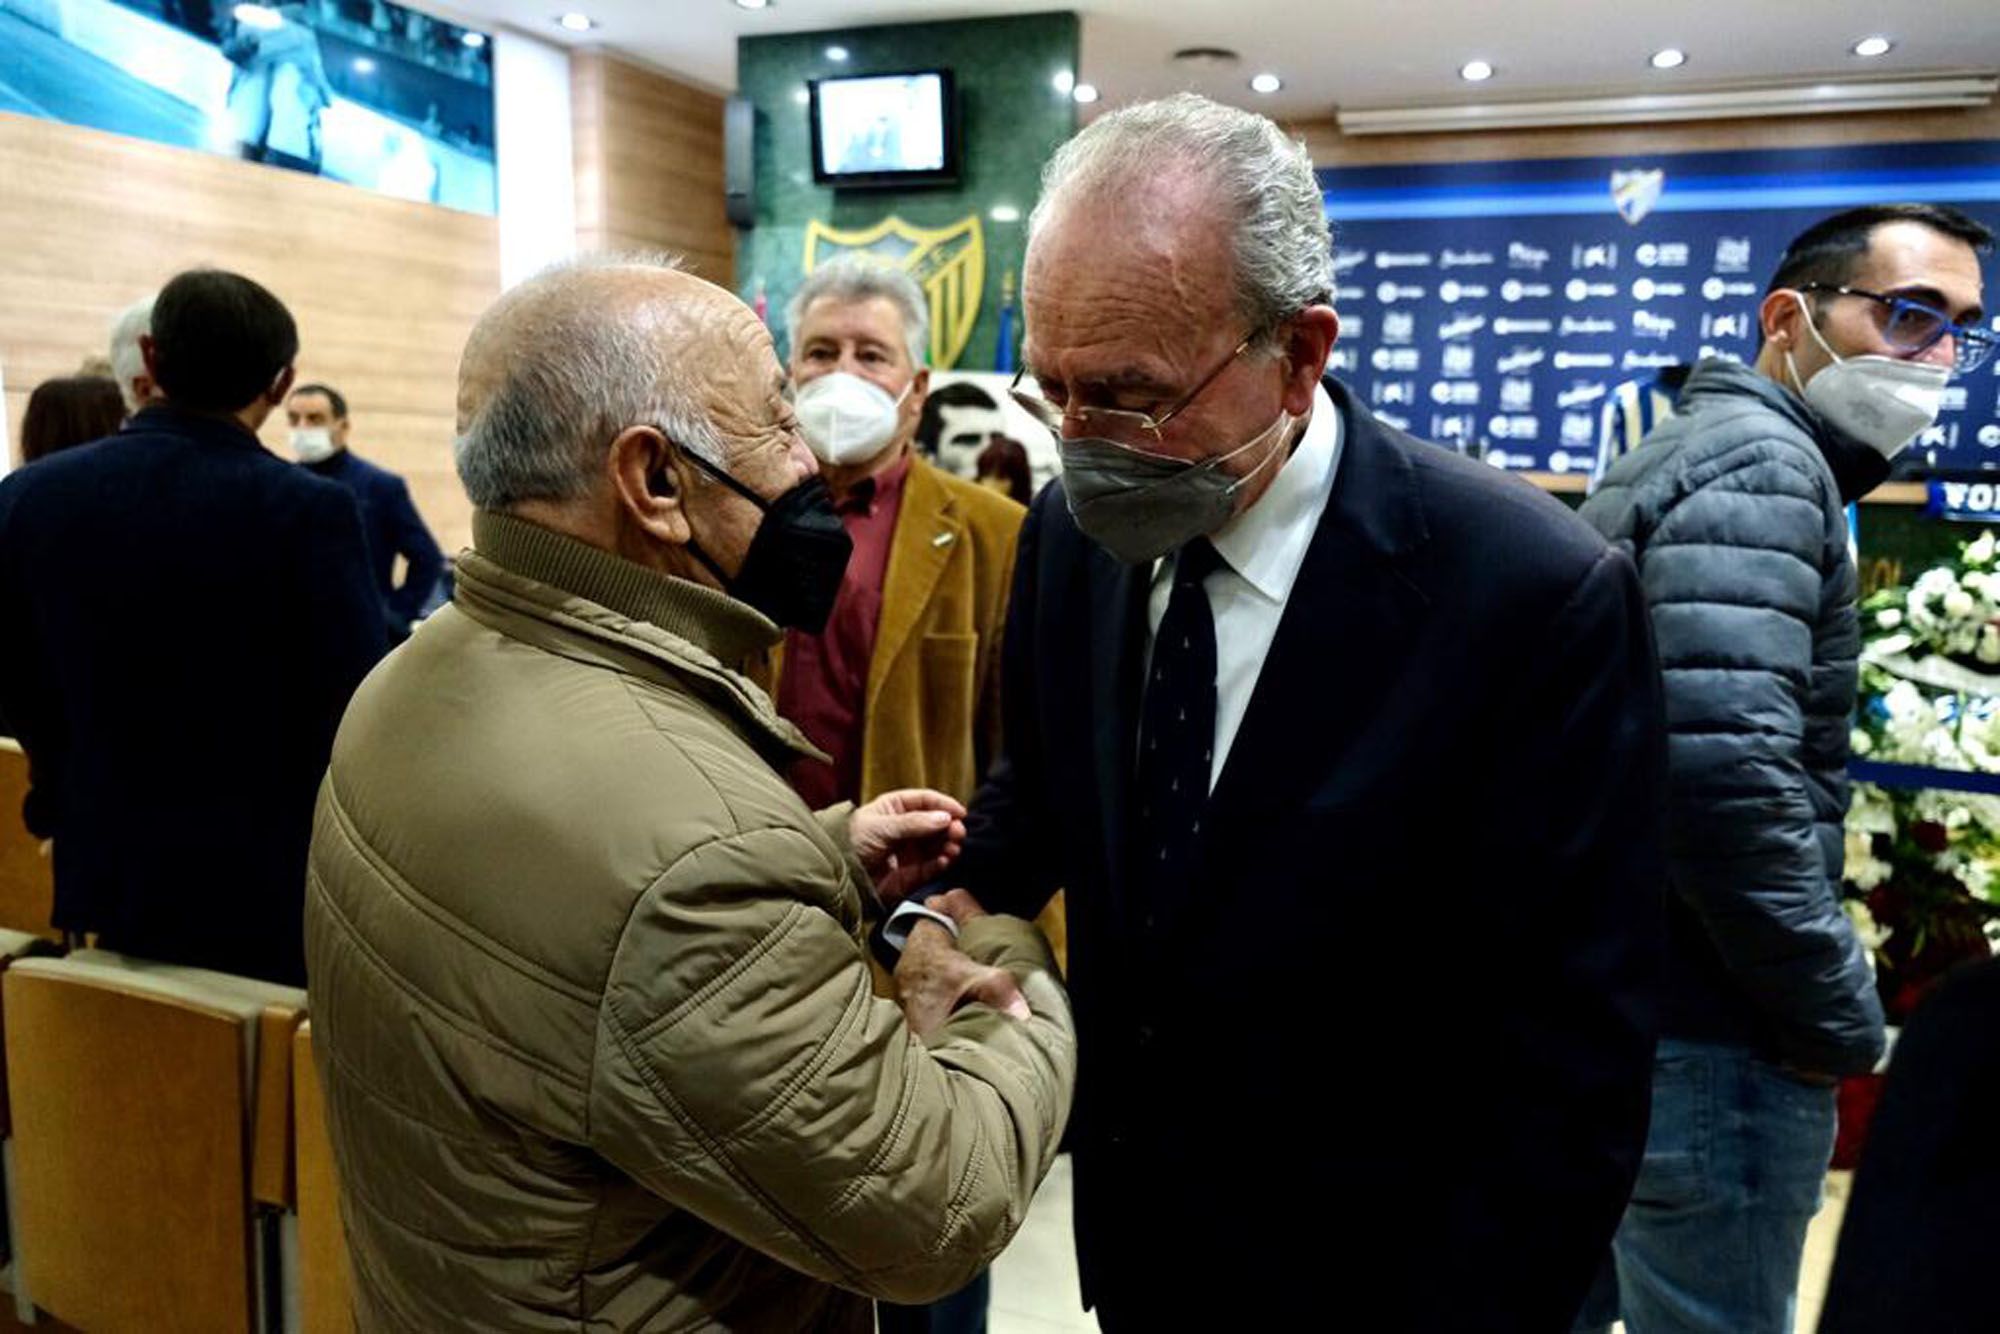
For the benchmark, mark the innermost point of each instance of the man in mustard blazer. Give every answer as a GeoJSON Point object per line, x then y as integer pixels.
{"type": "Point", "coordinates": [902, 686]}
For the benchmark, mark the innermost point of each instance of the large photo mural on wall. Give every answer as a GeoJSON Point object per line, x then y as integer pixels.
{"type": "Point", "coordinates": [360, 91]}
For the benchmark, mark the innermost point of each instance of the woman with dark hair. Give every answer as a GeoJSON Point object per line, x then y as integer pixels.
{"type": "Point", "coordinates": [1003, 467]}
{"type": "Point", "coordinates": [73, 410]}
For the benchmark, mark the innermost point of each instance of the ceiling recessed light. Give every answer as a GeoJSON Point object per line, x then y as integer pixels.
{"type": "Point", "coordinates": [1873, 46]}
{"type": "Point", "coordinates": [363, 65]}
{"type": "Point", "coordinates": [475, 40]}
{"type": "Point", "coordinates": [836, 54]}
{"type": "Point", "coordinates": [1475, 71]}
{"type": "Point", "coordinates": [1004, 213]}
{"type": "Point", "coordinates": [1671, 57]}
{"type": "Point", "coordinates": [753, 4]}
{"type": "Point", "coordinates": [576, 22]}
{"type": "Point", "coordinates": [1266, 83]}
{"type": "Point", "coordinates": [1064, 82]}
{"type": "Point", "coordinates": [1085, 93]}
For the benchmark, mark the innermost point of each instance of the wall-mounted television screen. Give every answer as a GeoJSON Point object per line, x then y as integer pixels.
{"type": "Point", "coordinates": [885, 130]}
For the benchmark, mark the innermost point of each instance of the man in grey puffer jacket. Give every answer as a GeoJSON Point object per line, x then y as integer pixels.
{"type": "Point", "coordinates": [1734, 513]}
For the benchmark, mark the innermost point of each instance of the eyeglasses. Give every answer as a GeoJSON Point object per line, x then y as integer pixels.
{"type": "Point", "coordinates": [1911, 327]}
{"type": "Point", "coordinates": [1118, 425]}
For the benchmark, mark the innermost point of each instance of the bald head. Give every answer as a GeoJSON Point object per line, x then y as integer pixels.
{"type": "Point", "coordinates": [562, 364]}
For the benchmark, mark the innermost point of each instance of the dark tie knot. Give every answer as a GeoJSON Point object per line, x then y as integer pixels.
{"type": "Point", "coordinates": [1195, 562]}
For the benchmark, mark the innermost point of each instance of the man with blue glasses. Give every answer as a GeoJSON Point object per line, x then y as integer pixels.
{"type": "Point", "coordinates": [1734, 511]}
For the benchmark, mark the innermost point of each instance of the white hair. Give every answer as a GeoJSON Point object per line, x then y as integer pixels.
{"type": "Point", "coordinates": [862, 278]}
{"type": "Point", "coordinates": [575, 377]}
{"type": "Point", "coordinates": [127, 362]}
{"type": "Point", "coordinates": [1262, 180]}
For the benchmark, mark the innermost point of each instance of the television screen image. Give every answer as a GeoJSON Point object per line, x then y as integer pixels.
{"type": "Point", "coordinates": [362, 91]}
{"type": "Point", "coordinates": [883, 129]}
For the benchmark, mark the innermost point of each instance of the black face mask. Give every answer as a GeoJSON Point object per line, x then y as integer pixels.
{"type": "Point", "coordinates": [1857, 469]}
{"type": "Point", "coordinates": [797, 559]}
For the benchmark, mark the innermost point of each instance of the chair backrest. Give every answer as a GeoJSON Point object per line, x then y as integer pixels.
{"type": "Point", "coordinates": [27, 878]}
{"type": "Point", "coordinates": [14, 946]}
{"type": "Point", "coordinates": [133, 1089]}
{"type": "Point", "coordinates": [326, 1304]}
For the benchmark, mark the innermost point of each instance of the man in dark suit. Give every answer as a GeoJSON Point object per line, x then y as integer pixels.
{"type": "Point", "coordinates": [1349, 752]}
{"type": "Point", "coordinates": [186, 617]}
{"type": "Point", "coordinates": [1916, 1246]}
{"type": "Point", "coordinates": [389, 519]}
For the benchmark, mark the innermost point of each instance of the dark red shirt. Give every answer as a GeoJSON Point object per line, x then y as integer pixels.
{"type": "Point", "coordinates": [824, 686]}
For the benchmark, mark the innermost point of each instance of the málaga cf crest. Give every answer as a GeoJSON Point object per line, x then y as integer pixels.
{"type": "Point", "coordinates": [949, 263]}
{"type": "Point", "coordinates": [1635, 192]}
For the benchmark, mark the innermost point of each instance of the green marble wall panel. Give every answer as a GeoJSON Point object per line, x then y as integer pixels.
{"type": "Point", "coordinates": [1011, 119]}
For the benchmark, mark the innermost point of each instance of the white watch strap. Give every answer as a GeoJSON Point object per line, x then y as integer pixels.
{"type": "Point", "coordinates": [896, 931]}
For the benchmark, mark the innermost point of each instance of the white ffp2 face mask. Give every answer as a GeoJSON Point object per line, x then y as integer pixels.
{"type": "Point", "coordinates": [1883, 402]}
{"type": "Point", "coordinates": [313, 444]}
{"type": "Point", "coordinates": [846, 419]}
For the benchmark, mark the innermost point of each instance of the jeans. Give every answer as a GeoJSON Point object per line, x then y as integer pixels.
{"type": "Point", "coordinates": [1734, 1167]}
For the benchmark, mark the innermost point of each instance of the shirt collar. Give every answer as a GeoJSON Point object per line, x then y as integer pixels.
{"type": "Point", "coordinates": [1266, 543]}
{"type": "Point", "coordinates": [871, 493]}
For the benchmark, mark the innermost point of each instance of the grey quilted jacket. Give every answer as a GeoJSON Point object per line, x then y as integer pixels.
{"type": "Point", "coordinates": [1732, 513]}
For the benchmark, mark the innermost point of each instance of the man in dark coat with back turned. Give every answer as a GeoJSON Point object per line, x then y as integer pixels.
{"type": "Point", "coordinates": [187, 616]}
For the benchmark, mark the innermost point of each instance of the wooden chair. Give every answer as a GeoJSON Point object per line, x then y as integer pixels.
{"type": "Point", "coordinates": [27, 878]}
{"type": "Point", "coordinates": [326, 1305]}
{"type": "Point", "coordinates": [151, 1117]}
{"type": "Point", "coordinates": [14, 946]}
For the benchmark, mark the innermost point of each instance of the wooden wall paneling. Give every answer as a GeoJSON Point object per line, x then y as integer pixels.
{"type": "Point", "coordinates": [384, 290]}
{"type": "Point", "coordinates": [649, 167]}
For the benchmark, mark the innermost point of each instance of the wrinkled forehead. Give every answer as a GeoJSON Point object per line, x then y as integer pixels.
{"type": "Point", "coordinates": [724, 351]}
{"type": "Point", "coordinates": [874, 318]}
{"type": "Point", "coordinates": [1108, 276]}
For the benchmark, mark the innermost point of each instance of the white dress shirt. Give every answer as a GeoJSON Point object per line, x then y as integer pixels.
{"type": "Point", "coordinates": [1262, 549]}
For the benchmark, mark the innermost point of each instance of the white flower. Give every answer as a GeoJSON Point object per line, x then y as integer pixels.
{"type": "Point", "coordinates": [1888, 618]}
{"type": "Point", "coordinates": [1959, 604]}
{"type": "Point", "coordinates": [1872, 812]}
{"type": "Point", "coordinates": [1865, 926]}
{"type": "Point", "coordinates": [1934, 584]}
{"type": "Point", "coordinates": [1894, 644]}
{"type": "Point", "coordinates": [1980, 552]}
{"type": "Point", "coordinates": [1989, 643]}
{"type": "Point", "coordinates": [1957, 818]}
{"type": "Point", "coordinates": [1860, 742]}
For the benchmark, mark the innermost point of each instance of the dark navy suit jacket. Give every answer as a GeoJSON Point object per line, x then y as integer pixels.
{"type": "Point", "coordinates": [186, 617]}
{"type": "Point", "coordinates": [1389, 1066]}
{"type": "Point", "coordinates": [392, 527]}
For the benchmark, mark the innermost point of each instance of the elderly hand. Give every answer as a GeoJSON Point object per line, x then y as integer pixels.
{"type": "Point", "coordinates": [907, 837]}
{"type": "Point", "coordinates": [934, 977]}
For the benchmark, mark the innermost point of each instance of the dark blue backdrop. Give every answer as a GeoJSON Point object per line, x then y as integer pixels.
{"type": "Point", "coordinates": [1494, 305]}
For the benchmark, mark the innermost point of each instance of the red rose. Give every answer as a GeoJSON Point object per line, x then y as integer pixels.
{"type": "Point", "coordinates": [1930, 835]}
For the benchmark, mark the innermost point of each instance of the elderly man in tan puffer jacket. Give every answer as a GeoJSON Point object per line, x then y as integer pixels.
{"type": "Point", "coordinates": [589, 992]}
